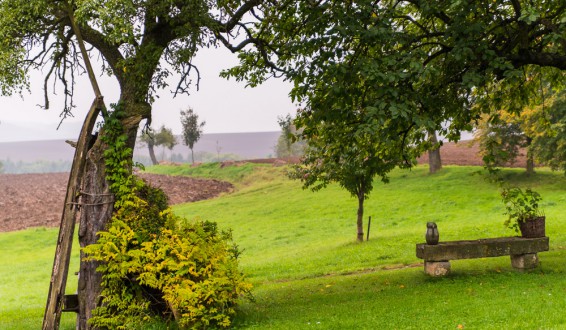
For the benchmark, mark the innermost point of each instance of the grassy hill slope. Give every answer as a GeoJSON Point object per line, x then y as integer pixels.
{"type": "Point", "coordinates": [299, 251]}
{"type": "Point", "coordinates": [304, 234]}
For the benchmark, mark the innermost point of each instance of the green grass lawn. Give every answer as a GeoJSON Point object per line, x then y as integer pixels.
{"type": "Point", "coordinates": [27, 261]}
{"type": "Point", "coordinates": [299, 251]}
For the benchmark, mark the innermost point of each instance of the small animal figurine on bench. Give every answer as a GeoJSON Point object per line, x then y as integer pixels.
{"type": "Point", "coordinates": [431, 235]}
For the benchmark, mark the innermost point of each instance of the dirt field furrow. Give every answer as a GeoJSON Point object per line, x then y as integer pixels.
{"type": "Point", "coordinates": [33, 200]}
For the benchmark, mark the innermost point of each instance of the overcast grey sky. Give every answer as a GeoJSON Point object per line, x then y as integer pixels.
{"type": "Point", "coordinates": [226, 106]}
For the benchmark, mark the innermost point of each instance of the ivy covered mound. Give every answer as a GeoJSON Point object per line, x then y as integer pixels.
{"type": "Point", "coordinates": [157, 266]}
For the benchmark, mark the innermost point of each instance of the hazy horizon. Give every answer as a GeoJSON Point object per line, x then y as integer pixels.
{"type": "Point", "coordinates": [226, 105]}
{"type": "Point", "coordinates": [247, 145]}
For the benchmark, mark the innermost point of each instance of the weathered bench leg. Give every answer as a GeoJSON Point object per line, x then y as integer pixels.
{"type": "Point", "coordinates": [524, 261]}
{"type": "Point", "coordinates": [437, 268]}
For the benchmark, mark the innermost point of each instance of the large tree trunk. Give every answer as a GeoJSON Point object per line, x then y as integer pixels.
{"type": "Point", "coordinates": [98, 205]}
{"type": "Point", "coordinates": [152, 152]}
{"type": "Point", "coordinates": [95, 215]}
{"type": "Point", "coordinates": [360, 223]}
{"type": "Point", "coordinates": [192, 156]}
{"type": "Point", "coordinates": [434, 161]}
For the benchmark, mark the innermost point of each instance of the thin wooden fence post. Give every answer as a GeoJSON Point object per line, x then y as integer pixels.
{"type": "Point", "coordinates": [369, 224]}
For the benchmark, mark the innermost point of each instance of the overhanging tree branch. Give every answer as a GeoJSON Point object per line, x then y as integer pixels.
{"type": "Point", "coordinates": [237, 16]}
{"type": "Point", "coordinates": [527, 57]}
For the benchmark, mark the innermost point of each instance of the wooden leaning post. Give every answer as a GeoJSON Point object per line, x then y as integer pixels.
{"type": "Point", "coordinates": [523, 252]}
{"type": "Point", "coordinates": [57, 301]}
{"type": "Point", "coordinates": [56, 296]}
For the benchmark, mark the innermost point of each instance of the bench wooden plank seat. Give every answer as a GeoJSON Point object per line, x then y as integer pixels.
{"type": "Point", "coordinates": [523, 252]}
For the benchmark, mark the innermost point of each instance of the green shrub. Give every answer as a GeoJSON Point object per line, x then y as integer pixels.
{"type": "Point", "coordinates": [156, 266]}
{"type": "Point", "coordinates": [187, 270]}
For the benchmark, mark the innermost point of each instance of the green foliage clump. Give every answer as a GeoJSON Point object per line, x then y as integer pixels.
{"type": "Point", "coordinates": [118, 157]}
{"type": "Point", "coordinates": [499, 141]}
{"type": "Point", "coordinates": [536, 128]}
{"type": "Point", "coordinates": [187, 271]}
{"type": "Point", "coordinates": [154, 265]}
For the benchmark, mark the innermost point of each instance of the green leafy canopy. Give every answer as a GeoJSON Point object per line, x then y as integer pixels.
{"type": "Point", "coordinates": [141, 43]}
{"type": "Point", "coordinates": [374, 76]}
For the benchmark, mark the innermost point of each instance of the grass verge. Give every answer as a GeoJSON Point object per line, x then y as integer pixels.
{"type": "Point", "coordinates": [27, 261]}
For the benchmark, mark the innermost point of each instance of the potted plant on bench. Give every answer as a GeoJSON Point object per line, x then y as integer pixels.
{"type": "Point", "coordinates": [523, 212]}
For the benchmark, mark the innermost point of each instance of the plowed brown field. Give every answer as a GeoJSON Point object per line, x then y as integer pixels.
{"type": "Point", "coordinates": [31, 200]}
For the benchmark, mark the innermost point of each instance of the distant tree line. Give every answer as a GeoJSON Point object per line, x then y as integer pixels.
{"type": "Point", "coordinates": [40, 166]}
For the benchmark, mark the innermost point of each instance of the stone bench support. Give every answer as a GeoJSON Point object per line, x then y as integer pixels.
{"type": "Point", "coordinates": [523, 252]}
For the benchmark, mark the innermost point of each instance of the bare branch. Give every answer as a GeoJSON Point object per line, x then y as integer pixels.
{"type": "Point", "coordinates": [184, 82]}
{"type": "Point", "coordinates": [238, 14]}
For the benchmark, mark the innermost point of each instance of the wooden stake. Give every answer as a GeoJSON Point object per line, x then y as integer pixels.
{"type": "Point", "coordinates": [86, 59]}
{"type": "Point", "coordinates": [369, 224]}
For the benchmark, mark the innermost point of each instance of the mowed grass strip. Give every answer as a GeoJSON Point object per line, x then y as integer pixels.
{"type": "Point", "coordinates": [300, 252]}
{"type": "Point", "coordinates": [480, 294]}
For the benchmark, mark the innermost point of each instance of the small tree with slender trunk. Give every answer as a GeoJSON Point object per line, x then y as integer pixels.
{"type": "Point", "coordinates": [147, 137]}
{"type": "Point", "coordinates": [192, 129]}
{"type": "Point", "coordinates": [166, 139]}
{"type": "Point", "coordinates": [218, 149]}
{"type": "Point", "coordinates": [289, 143]}
{"type": "Point", "coordinates": [350, 156]}
{"type": "Point", "coordinates": [285, 123]}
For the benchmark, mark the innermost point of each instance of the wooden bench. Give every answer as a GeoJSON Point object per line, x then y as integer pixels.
{"type": "Point", "coordinates": [523, 252]}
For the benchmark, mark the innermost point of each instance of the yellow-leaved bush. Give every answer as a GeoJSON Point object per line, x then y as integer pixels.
{"type": "Point", "coordinates": [158, 266]}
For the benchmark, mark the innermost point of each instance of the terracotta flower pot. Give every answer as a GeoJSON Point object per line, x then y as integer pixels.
{"type": "Point", "coordinates": [533, 228]}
